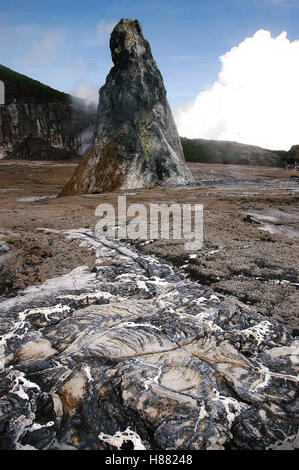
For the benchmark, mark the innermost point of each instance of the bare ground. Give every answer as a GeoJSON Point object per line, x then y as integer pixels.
{"type": "Point", "coordinates": [238, 257]}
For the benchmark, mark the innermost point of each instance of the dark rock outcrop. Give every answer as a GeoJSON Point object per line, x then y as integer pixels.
{"type": "Point", "coordinates": [136, 143]}
{"type": "Point", "coordinates": [134, 351]}
{"type": "Point", "coordinates": [40, 123]}
{"type": "Point", "coordinates": [291, 159]}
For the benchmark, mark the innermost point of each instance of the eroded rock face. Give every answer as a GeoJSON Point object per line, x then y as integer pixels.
{"type": "Point", "coordinates": [43, 131]}
{"type": "Point", "coordinates": [133, 351]}
{"type": "Point", "coordinates": [40, 123]}
{"type": "Point", "coordinates": [136, 143]}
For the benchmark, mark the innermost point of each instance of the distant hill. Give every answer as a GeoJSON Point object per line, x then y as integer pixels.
{"type": "Point", "coordinates": [38, 122]}
{"type": "Point", "coordinates": [219, 151]}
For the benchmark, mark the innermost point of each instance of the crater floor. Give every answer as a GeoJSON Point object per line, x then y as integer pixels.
{"type": "Point", "coordinates": [124, 344]}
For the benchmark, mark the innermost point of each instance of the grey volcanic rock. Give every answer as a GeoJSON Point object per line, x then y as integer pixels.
{"type": "Point", "coordinates": [134, 351]}
{"type": "Point", "coordinates": [136, 143]}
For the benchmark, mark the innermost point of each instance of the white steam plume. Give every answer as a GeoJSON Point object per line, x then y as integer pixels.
{"type": "Point", "coordinates": [89, 94]}
{"type": "Point", "coordinates": [255, 99]}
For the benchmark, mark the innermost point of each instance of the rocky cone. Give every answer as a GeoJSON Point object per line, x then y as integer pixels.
{"type": "Point", "coordinates": [136, 143]}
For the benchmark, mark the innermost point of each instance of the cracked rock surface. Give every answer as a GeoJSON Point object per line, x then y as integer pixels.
{"type": "Point", "coordinates": [133, 351]}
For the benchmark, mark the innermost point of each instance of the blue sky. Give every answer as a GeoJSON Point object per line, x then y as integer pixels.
{"type": "Point", "coordinates": [65, 43]}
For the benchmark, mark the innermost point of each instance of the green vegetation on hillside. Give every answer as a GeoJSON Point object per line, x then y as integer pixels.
{"type": "Point", "coordinates": [217, 151]}
{"type": "Point", "coordinates": [195, 151]}
{"type": "Point", "coordinates": [25, 89]}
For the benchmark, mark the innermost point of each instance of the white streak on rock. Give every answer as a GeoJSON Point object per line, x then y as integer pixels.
{"type": "Point", "coordinates": [21, 385]}
{"type": "Point", "coordinates": [119, 438]}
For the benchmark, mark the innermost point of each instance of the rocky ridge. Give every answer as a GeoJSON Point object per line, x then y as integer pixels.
{"type": "Point", "coordinates": [219, 151]}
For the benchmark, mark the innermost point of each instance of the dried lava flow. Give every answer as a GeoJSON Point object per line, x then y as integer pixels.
{"type": "Point", "coordinates": [133, 351]}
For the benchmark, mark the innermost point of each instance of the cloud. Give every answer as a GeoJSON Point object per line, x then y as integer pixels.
{"type": "Point", "coordinates": [31, 45]}
{"type": "Point", "coordinates": [104, 28]}
{"type": "Point", "coordinates": [103, 31]}
{"type": "Point", "coordinates": [87, 93]}
{"type": "Point", "coordinates": [278, 3]}
{"type": "Point", "coordinates": [47, 47]}
{"type": "Point", "coordinates": [255, 99]}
